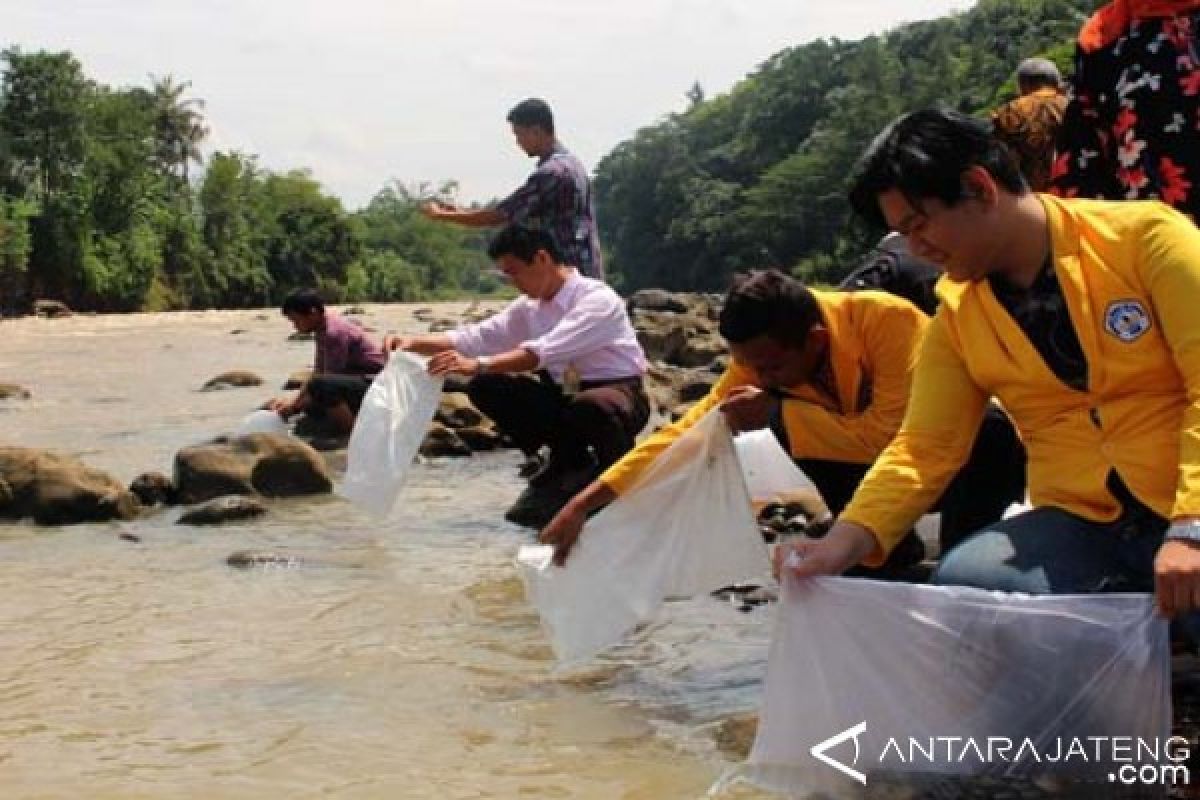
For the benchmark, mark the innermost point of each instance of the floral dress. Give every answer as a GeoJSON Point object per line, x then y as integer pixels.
{"type": "Point", "coordinates": [1132, 126]}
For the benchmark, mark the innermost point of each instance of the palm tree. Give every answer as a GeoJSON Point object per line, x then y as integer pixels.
{"type": "Point", "coordinates": [178, 126]}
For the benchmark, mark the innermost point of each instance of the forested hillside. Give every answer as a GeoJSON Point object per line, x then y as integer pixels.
{"type": "Point", "coordinates": [106, 203]}
{"type": "Point", "coordinates": [757, 176]}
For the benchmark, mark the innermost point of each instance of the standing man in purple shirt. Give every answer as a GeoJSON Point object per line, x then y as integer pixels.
{"type": "Point", "coordinates": [347, 361]}
{"type": "Point", "coordinates": [559, 367]}
{"type": "Point", "coordinates": [557, 197]}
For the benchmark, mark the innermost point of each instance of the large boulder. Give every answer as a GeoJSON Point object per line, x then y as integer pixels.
{"type": "Point", "coordinates": [700, 350]}
{"type": "Point", "coordinates": [234, 379]}
{"type": "Point", "coordinates": [656, 300]}
{"type": "Point", "coordinates": [662, 334]}
{"type": "Point", "coordinates": [57, 489]}
{"type": "Point", "coordinates": [260, 463]}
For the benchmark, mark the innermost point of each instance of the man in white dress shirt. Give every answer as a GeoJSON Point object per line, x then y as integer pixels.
{"type": "Point", "coordinates": [559, 367]}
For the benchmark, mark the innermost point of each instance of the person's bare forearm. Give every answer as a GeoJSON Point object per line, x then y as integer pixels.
{"type": "Point", "coordinates": [474, 218]}
{"type": "Point", "coordinates": [427, 345]}
{"type": "Point", "coordinates": [516, 360]}
{"type": "Point", "coordinates": [596, 495]}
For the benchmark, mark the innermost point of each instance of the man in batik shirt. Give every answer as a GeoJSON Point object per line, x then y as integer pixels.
{"type": "Point", "coordinates": [557, 198]}
{"type": "Point", "coordinates": [1029, 125]}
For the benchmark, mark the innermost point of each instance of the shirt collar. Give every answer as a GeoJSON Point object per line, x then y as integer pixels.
{"type": "Point", "coordinates": [557, 150]}
{"type": "Point", "coordinates": [566, 293]}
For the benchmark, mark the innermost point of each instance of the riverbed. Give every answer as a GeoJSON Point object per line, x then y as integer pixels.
{"type": "Point", "coordinates": [403, 663]}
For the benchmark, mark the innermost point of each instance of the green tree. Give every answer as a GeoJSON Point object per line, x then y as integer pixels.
{"type": "Point", "coordinates": [179, 126]}
{"type": "Point", "coordinates": [235, 223]}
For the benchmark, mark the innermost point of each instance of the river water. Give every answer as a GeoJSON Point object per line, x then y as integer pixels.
{"type": "Point", "coordinates": [407, 665]}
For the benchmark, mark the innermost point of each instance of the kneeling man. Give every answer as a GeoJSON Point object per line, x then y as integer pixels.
{"type": "Point", "coordinates": [347, 362]}
{"type": "Point", "coordinates": [829, 373]}
{"type": "Point", "coordinates": [559, 367]}
{"type": "Point", "coordinates": [1080, 317]}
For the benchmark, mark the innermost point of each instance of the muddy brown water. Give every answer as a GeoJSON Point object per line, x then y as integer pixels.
{"type": "Point", "coordinates": [394, 660]}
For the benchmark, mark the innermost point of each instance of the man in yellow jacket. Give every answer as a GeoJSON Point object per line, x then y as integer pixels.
{"type": "Point", "coordinates": [1079, 316]}
{"type": "Point", "coordinates": [829, 373]}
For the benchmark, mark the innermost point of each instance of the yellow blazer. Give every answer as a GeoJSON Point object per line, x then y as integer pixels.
{"type": "Point", "coordinates": [874, 340]}
{"type": "Point", "coordinates": [1130, 273]}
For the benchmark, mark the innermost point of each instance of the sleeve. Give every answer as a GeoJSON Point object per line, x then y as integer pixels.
{"type": "Point", "coordinates": [498, 333]}
{"type": "Point", "coordinates": [597, 320]}
{"type": "Point", "coordinates": [1171, 270]}
{"type": "Point", "coordinates": [892, 340]}
{"type": "Point", "coordinates": [944, 413]}
{"type": "Point", "coordinates": [623, 474]}
{"type": "Point", "coordinates": [1084, 164]}
{"type": "Point", "coordinates": [528, 200]}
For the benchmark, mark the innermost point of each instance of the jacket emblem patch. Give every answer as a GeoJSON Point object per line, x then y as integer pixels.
{"type": "Point", "coordinates": [1126, 319]}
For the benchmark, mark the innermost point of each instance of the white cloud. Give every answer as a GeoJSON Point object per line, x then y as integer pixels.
{"type": "Point", "coordinates": [365, 91]}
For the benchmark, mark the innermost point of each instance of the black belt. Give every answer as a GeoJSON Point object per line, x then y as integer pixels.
{"type": "Point", "coordinates": [633, 382]}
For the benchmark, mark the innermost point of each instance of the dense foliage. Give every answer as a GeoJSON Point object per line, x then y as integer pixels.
{"type": "Point", "coordinates": [758, 176]}
{"type": "Point", "coordinates": [101, 206]}
{"type": "Point", "coordinates": [106, 202]}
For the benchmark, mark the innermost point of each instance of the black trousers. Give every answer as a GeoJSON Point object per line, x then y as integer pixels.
{"type": "Point", "coordinates": [992, 479]}
{"type": "Point", "coordinates": [326, 391]}
{"type": "Point", "coordinates": [602, 419]}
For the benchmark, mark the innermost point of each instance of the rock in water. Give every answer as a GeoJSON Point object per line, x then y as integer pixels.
{"type": "Point", "coordinates": [153, 488]}
{"type": "Point", "coordinates": [13, 391]}
{"type": "Point", "coordinates": [249, 559]}
{"type": "Point", "coordinates": [222, 510]}
{"type": "Point", "coordinates": [260, 463]}
{"type": "Point", "coordinates": [234, 379]}
{"type": "Point", "coordinates": [57, 489]}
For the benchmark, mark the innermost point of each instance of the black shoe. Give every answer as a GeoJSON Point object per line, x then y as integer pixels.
{"type": "Point", "coordinates": [531, 465]}
{"type": "Point", "coordinates": [560, 472]}
{"type": "Point", "coordinates": [537, 505]}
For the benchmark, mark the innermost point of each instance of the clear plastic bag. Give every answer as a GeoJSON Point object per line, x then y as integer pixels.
{"type": "Point", "coordinates": [685, 527]}
{"type": "Point", "coordinates": [769, 471]}
{"type": "Point", "coordinates": [391, 425]}
{"type": "Point", "coordinates": [262, 421]}
{"type": "Point", "coordinates": [899, 671]}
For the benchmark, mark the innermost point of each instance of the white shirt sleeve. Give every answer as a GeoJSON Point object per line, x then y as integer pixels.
{"type": "Point", "coordinates": [498, 333]}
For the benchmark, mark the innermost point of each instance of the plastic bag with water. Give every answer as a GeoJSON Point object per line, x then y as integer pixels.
{"type": "Point", "coordinates": [686, 527]}
{"type": "Point", "coordinates": [887, 679]}
{"type": "Point", "coordinates": [262, 421]}
{"type": "Point", "coordinates": [392, 422]}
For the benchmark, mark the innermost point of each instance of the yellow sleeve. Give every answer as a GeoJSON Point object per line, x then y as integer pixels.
{"type": "Point", "coordinates": [1171, 269]}
{"type": "Point", "coordinates": [943, 416]}
{"type": "Point", "coordinates": [891, 341]}
{"type": "Point", "coordinates": [623, 474]}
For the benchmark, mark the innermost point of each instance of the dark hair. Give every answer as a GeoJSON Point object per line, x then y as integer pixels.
{"type": "Point", "coordinates": [523, 243]}
{"type": "Point", "coordinates": [923, 155]}
{"type": "Point", "coordinates": [767, 302]}
{"type": "Point", "coordinates": [302, 301]}
{"type": "Point", "coordinates": [532, 112]}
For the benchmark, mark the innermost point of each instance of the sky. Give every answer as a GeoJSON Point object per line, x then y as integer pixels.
{"type": "Point", "coordinates": [364, 92]}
